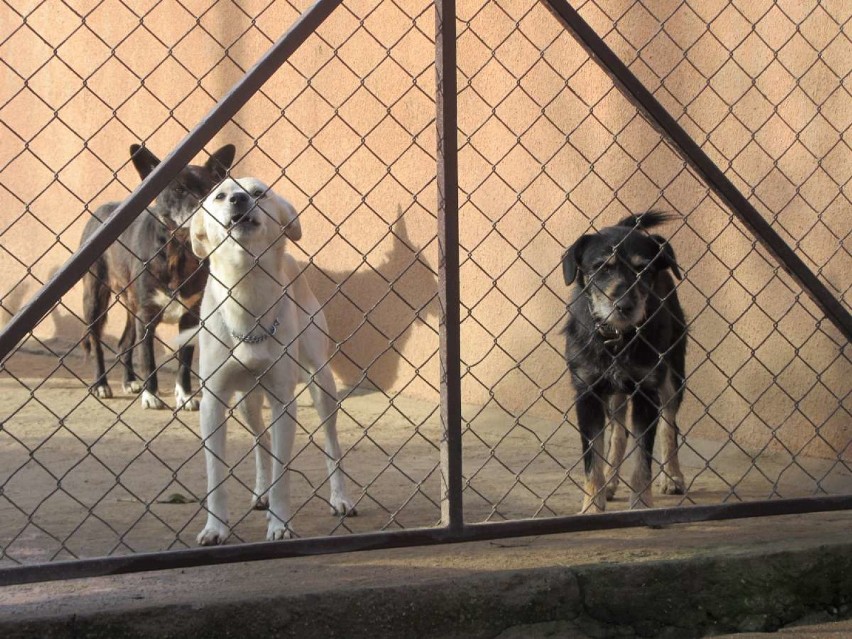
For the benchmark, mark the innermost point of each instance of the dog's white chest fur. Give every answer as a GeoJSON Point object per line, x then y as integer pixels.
{"type": "Point", "coordinates": [258, 358]}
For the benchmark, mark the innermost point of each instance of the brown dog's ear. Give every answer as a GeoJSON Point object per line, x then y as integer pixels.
{"type": "Point", "coordinates": [666, 257]}
{"type": "Point", "coordinates": [198, 234]}
{"type": "Point", "coordinates": [571, 260]}
{"type": "Point", "coordinates": [143, 160]}
{"type": "Point", "coordinates": [221, 161]}
{"type": "Point", "coordinates": [287, 217]}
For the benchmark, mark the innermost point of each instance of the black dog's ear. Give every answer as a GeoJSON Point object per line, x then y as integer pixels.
{"type": "Point", "coordinates": [221, 161]}
{"type": "Point", "coordinates": [571, 260]}
{"type": "Point", "coordinates": [666, 256]}
{"type": "Point", "coordinates": [143, 160]}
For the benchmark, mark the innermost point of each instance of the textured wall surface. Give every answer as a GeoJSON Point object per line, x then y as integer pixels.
{"type": "Point", "coordinates": [549, 148]}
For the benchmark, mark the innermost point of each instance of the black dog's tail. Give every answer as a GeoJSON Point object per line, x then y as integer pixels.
{"type": "Point", "coordinates": [646, 220]}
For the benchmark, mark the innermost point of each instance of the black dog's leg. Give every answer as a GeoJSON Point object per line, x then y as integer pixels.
{"type": "Point", "coordinates": [617, 414]}
{"type": "Point", "coordinates": [671, 480]}
{"type": "Point", "coordinates": [646, 416]}
{"type": "Point", "coordinates": [149, 368]}
{"type": "Point", "coordinates": [125, 345]}
{"type": "Point", "coordinates": [183, 384]}
{"type": "Point", "coordinates": [590, 416]}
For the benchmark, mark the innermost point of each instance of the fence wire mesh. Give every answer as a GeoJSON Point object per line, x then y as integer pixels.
{"type": "Point", "coordinates": [549, 149]}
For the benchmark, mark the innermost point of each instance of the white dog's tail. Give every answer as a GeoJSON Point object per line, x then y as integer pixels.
{"type": "Point", "coordinates": [187, 337]}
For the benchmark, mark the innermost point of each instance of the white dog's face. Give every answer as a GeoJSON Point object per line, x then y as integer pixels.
{"type": "Point", "coordinates": [243, 214]}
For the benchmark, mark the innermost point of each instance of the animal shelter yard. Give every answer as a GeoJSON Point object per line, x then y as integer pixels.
{"type": "Point", "coordinates": [445, 191]}
{"type": "Point", "coordinates": [112, 478]}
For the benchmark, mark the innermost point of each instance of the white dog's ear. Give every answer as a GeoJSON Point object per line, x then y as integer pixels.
{"type": "Point", "coordinates": [198, 234]}
{"type": "Point", "coordinates": [287, 217]}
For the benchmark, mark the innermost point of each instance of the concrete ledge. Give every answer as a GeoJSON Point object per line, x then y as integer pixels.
{"type": "Point", "coordinates": [765, 583]}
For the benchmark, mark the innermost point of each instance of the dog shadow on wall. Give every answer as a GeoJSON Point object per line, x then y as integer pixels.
{"type": "Point", "coordinates": [374, 312]}
{"type": "Point", "coordinates": [45, 352]}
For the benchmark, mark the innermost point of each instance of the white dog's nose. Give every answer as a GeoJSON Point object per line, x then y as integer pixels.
{"type": "Point", "coordinates": [240, 199]}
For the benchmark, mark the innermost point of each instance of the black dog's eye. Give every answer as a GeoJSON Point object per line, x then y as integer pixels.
{"type": "Point", "coordinates": [220, 196]}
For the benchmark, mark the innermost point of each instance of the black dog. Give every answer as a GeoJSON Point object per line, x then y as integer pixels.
{"type": "Point", "coordinates": [154, 273]}
{"type": "Point", "coordinates": [626, 341]}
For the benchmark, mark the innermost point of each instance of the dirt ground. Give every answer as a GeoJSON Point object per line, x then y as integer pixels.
{"type": "Point", "coordinates": [81, 477]}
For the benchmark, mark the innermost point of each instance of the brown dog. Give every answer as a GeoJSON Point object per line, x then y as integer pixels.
{"type": "Point", "coordinates": [152, 270]}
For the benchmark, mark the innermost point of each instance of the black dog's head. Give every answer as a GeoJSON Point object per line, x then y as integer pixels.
{"type": "Point", "coordinates": [618, 267]}
{"type": "Point", "coordinates": [182, 196]}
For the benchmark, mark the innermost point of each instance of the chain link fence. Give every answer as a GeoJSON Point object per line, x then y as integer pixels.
{"type": "Point", "coordinates": [549, 148]}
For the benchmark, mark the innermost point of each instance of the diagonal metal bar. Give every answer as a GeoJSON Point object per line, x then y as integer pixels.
{"type": "Point", "coordinates": [66, 277]}
{"type": "Point", "coordinates": [446, 104]}
{"type": "Point", "coordinates": [701, 162]}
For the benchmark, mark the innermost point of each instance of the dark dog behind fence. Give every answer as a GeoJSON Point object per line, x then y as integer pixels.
{"type": "Point", "coordinates": [152, 270]}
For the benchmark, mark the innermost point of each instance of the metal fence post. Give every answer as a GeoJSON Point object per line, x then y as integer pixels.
{"type": "Point", "coordinates": [448, 256]}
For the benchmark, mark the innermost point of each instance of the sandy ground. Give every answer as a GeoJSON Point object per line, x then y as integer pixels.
{"type": "Point", "coordinates": [81, 477]}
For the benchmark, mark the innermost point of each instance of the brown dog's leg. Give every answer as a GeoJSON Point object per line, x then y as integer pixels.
{"type": "Point", "coordinates": [183, 384]}
{"type": "Point", "coordinates": [149, 368]}
{"type": "Point", "coordinates": [125, 346]}
{"type": "Point", "coordinates": [96, 295]}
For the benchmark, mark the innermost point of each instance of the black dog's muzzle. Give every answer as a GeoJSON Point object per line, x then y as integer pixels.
{"type": "Point", "coordinates": [611, 336]}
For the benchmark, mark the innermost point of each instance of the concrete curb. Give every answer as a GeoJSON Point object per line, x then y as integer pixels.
{"type": "Point", "coordinates": [689, 597]}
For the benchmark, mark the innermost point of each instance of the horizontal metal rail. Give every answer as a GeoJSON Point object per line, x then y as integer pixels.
{"type": "Point", "coordinates": [75, 268]}
{"type": "Point", "coordinates": [609, 61]}
{"type": "Point", "coordinates": [194, 557]}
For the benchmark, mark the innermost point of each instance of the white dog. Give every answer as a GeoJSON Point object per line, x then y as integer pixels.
{"type": "Point", "coordinates": [262, 328]}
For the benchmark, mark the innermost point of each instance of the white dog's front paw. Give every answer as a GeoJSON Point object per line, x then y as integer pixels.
{"type": "Point", "coordinates": [185, 401]}
{"type": "Point", "coordinates": [214, 533]}
{"type": "Point", "coordinates": [342, 506]}
{"type": "Point", "coordinates": [149, 400]}
{"type": "Point", "coordinates": [278, 531]}
{"type": "Point", "coordinates": [132, 387]}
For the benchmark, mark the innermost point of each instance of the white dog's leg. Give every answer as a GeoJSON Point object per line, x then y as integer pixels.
{"type": "Point", "coordinates": [283, 435]}
{"type": "Point", "coordinates": [324, 394]}
{"type": "Point", "coordinates": [214, 428]}
{"type": "Point", "coordinates": [251, 408]}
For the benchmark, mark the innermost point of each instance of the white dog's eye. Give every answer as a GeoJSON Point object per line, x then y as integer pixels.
{"type": "Point", "coordinates": [220, 196]}
{"type": "Point", "coordinates": [259, 194]}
